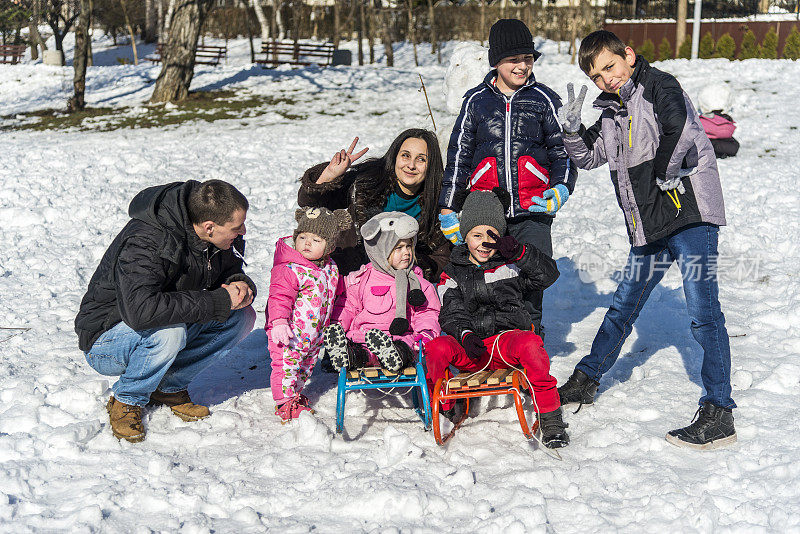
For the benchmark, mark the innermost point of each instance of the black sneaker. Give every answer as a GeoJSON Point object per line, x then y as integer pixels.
{"type": "Point", "coordinates": [711, 428]}
{"type": "Point", "coordinates": [335, 345]}
{"type": "Point", "coordinates": [380, 344]}
{"type": "Point", "coordinates": [553, 429]}
{"type": "Point", "coordinates": [578, 389]}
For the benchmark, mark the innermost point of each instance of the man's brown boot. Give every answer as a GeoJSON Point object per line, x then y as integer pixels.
{"type": "Point", "coordinates": [181, 405]}
{"type": "Point", "coordinates": [126, 420]}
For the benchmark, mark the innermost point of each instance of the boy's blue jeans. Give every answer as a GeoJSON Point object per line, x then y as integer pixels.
{"type": "Point", "coordinates": [694, 248]}
{"type": "Point", "coordinates": [167, 358]}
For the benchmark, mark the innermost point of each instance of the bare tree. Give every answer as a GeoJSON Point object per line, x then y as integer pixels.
{"type": "Point", "coordinates": [680, 25]}
{"type": "Point", "coordinates": [33, 30]}
{"type": "Point", "coordinates": [123, 4]}
{"type": "Point", "coordinates": [262, 20]}
{"type": "Point", "coordinates": [81, 57]}
{"type": "Point", "coordinates": [432, 17]}
{"type": "Point", "coordinates": [168, 18]}
{"type": "Point", "coordinates": [60, 15]}
{"type": "Point", "coordinates": [150, 21]}
{"type": "Point", "coordinates": [371, 19]}
{"type": "Point", "coordinates": [360, 32]}
{"type": "Point", "coordinates": [337, 21]}
{"type": "Point", "coordinates": [387, 37]}
{"type": "Point", "coordinates": [410, 30]}
{"type": "Point", "coordinates": [177, 71]}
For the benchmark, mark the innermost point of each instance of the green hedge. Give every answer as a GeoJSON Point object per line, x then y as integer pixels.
{"type": "Point", "coordinates": [665, 50]}
{"type": "Point", "coordinates": [791, 49]}
{"type": "Point", "coordinates": [648, 51]}
{"type": "Point", "coordinates": [748, 48]}
{"type": "Point", "coordinates": [769, 46]}
{"type": "Point", "coordinates": [726, 47]}
{"type": "Point", "coordinates": [706, 48]}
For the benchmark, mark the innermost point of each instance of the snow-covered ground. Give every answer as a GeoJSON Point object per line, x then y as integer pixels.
{"type": "Point", "coordinates": [64, 196]}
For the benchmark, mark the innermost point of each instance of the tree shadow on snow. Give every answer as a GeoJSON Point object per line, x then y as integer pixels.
{"type": "Point", "coordinates": [662, 323]}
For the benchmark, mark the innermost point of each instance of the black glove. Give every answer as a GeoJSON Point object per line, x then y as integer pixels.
{"type": "Point", "coordinates": [399, 326]}
{"type": "Point", "coordinates": [506, 246]}
{"type": "Point", "coordinates": [473, 345]}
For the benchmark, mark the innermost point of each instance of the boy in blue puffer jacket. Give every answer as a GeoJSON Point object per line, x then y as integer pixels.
{"type": "Point", "coordinates": [508, 135]}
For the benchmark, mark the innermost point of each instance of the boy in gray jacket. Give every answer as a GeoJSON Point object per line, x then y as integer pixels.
{"type": "Point", "coordinates": [667, 184]}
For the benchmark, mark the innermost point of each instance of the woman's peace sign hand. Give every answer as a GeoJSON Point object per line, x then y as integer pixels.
{"type": "Point", "coordinates": [340, 162]}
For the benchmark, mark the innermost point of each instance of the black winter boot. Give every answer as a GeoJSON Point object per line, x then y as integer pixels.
{"type": "Point", "coordinates": [711, 428]}
{"type": "Point", "coordinates": [553, 429]}
{"type": "Point", "coordinates": [578, 388]}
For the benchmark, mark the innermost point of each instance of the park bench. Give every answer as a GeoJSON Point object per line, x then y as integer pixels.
{"type": "Point", "coordinates": [11, 53]}
{"type": "Point", "coordinates": [383, 379]}
{"type": "Point", "coordinates": [468, 385]}
{"type": "Point", "coordinates": [293, 53]}
{"type": "Point", "coordinates": [205, 54]}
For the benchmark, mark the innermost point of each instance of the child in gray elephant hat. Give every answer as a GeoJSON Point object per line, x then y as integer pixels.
{"type": "Point", "coordinates": [387, 310]}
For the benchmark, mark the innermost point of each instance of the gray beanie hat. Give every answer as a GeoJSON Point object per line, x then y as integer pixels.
{"type": "Point", "coordinates": [381, 234]}
{"type": "Point", "coordinates": [485, 207]}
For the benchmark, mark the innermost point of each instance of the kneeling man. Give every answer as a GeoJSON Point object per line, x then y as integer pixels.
{"type": "Point", "coordinates": [168, 299]}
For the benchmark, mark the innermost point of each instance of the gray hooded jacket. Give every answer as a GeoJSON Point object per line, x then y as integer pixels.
{"type": "Point", "coordinates": [651, 131]}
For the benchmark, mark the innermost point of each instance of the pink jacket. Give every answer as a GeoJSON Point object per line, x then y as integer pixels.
{"type": "Point", "coordinates": [717, 126]}
{"type": "Point", "coordinates": [369, 302]}
{"type": "Point", "coordinates": [301, 293]}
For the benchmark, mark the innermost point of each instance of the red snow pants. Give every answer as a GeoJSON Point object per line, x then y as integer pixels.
{"type": "Point", "coordinates": [515, 348]}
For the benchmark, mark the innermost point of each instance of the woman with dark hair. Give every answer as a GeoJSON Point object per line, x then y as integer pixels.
{"type": "Point", "coordinates": [408, 178]}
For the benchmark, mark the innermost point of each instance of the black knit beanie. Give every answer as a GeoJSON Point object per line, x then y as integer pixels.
{"type": "Point", "coordinates": [510, 37]}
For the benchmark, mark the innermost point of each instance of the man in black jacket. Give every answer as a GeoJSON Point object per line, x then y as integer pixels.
{"type": "Point", "coordinates": [168, 298]}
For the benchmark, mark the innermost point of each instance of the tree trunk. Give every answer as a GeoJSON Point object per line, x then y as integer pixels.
{"type": "Point", "coordinates": [360, 32]}
{"type": "Point", "coordinates": [336, 22]}
{"type": "Point", "coordinates": [33, 30]}
{"type": "Point", "coordinates": [150, 21]}
{"type": "Point", "coordinates": [410, 30]}
{"type": "Point", "coordinates": [680, 26]}
{"type": "Point", "coordinates": [160, 4]}
{"type": "Point", "coordinates": [80, 58]}
{"type": "Point", "coordinates": [432, 21]}
{"type": "Point", "coordinates": [130, 30]}
{"type": "Point", "coordinates": [177, 71]}
{"type": "Point", "coordinates": [262, 20]}
{"type": "Point", "coordinates": [482, 29]}
{"type": "Point", "coordinates": [168, 18]}
{"type": "Point", "coordinates": [387, 38]}
{"type": "Point", "coordinates": [371, 31]}
{"type": "Point", "coordinates": [279, 19]}
{"type": "Point", "coordinates": [248, 29]}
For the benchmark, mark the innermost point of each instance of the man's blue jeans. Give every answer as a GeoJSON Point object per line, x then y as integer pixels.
{"type": "Point", "coordinates": [695, 250]}
{"type": "Point", "coordinates": [167, 358]}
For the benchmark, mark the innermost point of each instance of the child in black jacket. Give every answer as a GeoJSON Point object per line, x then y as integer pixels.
{"type": "Point", "coordinates": [483, 311]}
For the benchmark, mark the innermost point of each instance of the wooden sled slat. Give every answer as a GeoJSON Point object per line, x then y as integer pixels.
{"type": "Point", "coordinates": [479, 378]}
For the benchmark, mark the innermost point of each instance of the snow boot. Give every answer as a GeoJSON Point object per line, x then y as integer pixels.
{"type": "Point", "coordinates": [292, 408]}
{"type": "Point", "coordinates": [181, 405]}
{"type": "Point", "coordinates": [336, 345]}
{"type": "Point", "coordinates": [711, 428]}
{"type": "Point", "coordinates": [578, 388]}
{"type": "Point", "coordinates": [126, 420]}
{"type": "Point", "coordinates": [381, 345]}
{"type": "Point", "coordinates": [553, 429]}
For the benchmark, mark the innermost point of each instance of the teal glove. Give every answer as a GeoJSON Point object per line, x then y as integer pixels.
{"type": "Point", "coordinates": [551, 201]}
{"type": "Point", "coordinates": [451, 227]}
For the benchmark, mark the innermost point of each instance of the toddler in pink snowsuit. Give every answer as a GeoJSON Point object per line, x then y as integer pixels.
{"type": "Point", "coordinates": [387, 310]}
{"type": "Point", "coordinates": [302, 291]}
